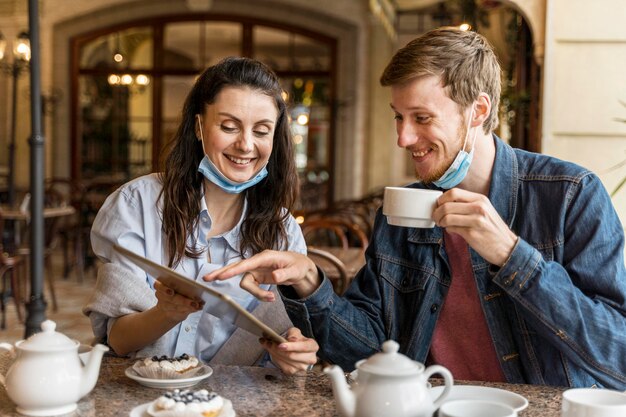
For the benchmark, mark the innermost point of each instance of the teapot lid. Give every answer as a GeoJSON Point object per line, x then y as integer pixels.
{"type": "Point", "coordinates": [48, 339]}
{"type": "Point", "coordinates": [390, 362]}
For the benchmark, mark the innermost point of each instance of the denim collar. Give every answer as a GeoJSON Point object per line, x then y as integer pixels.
{"type": "Point", "coordinates": [504, 181]}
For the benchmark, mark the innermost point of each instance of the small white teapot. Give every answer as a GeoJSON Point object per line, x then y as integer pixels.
{"type": "Point", "coordinates": [388, 384]}
{"type": "Point", "coordinates": [47, 377]}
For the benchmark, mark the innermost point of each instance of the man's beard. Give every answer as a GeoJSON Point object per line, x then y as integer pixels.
{"type": "Point", "coordinates": [441, 169]}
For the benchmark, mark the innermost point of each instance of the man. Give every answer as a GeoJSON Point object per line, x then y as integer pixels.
{"type": "Point", "coordinates": [522, 280]}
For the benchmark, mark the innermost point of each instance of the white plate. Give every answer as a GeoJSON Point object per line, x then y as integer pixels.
{"type": "Point", "coordinates": [203, 373]}
{"type": "Point", "coordinates": [142, 410]}
{"type": "Point", "coordinates": [475, 392]}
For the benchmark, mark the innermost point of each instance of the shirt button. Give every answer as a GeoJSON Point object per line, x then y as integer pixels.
{"type": "Point", "coordinates": [187, 328]}
{"type": "Point", "coordinates": [434, 308]}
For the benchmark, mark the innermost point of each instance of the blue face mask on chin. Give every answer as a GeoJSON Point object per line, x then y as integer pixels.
{"type": "Point", "coordinates": [456, 172]}
{"type": "Point", "coordinates": [213, 174]}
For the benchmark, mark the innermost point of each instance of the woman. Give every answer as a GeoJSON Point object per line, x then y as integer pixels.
{"type": "Point", "coordinates": [225, 194]}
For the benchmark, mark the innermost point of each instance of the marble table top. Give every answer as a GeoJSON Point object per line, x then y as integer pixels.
{"type": "Point", "coordinates": [253, 391]}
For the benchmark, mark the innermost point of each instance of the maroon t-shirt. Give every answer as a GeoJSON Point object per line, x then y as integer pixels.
{"type": "Point", "coordinates": [461, 341]}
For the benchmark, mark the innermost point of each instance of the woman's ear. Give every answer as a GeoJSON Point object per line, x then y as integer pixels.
{"type": "Point", "coordinates": [482, 109]}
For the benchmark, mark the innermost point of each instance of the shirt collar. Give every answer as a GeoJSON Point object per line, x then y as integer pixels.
{"type": "Point", "coordinates": [233, 236]}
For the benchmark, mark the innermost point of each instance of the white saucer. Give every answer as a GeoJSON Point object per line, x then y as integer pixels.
{"type": "Point", "coordinates": [142, 410]}
{"type": "Point", "coordinates": [205, 372]}
{"type": "Point", "coordinates": [475, 392]}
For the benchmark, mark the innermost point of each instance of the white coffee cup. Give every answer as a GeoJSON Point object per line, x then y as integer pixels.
{"type": "Point", "coordinates": [593, 402]}
{"type": "Point", "coordinates": [475, 408]}
{"type": "Point", "coordinates": [410, 207]}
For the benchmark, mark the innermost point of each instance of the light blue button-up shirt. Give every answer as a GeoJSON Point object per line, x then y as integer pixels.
{"type": "Point", "coordinates": [131, 218]}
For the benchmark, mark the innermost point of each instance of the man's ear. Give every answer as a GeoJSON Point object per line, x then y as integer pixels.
{"type": "Point", "coordinates": [482, 109]}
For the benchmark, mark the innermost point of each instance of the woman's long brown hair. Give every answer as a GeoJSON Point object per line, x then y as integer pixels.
{"type": "Point", "coordinates": [269, 202]}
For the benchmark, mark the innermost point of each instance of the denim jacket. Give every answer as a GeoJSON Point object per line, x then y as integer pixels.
{"type": "Point", "coordinates": [556, 310]}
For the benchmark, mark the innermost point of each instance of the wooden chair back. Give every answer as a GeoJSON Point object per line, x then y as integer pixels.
{"type": "Point", "coordinates": [333, 266]}
{"type": "Point", "coordinates": [324, 232]}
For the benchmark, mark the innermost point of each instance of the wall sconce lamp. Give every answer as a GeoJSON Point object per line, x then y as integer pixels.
{"type": "Point", "coordinates": [20, 63]}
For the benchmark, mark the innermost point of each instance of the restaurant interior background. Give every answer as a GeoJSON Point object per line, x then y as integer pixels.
{"type": "Point", "coordinates": [115, 73]}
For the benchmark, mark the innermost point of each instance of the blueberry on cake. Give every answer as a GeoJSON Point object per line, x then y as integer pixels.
{"type": "Point", "coordinates": [163, 367]}
{"type": "Point", "coordinates": [188, 403]}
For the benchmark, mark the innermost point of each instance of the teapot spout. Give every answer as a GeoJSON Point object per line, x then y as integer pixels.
{"type": "Point", "coordinates": [91, 369]}
{"type": "Point", "coordinates": [344, 397]}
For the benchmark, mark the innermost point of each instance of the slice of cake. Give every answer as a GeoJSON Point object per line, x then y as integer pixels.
{"type": "Point", "coordinates": [188, 403]}
{"type": "Point", "coordinates": [163, 367]}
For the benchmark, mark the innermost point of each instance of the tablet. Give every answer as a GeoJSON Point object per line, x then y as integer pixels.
{"type": "Point", "coordinates": [201, 292]}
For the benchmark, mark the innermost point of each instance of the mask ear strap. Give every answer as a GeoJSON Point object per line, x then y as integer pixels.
{"type": "Point", "coordinates": [475, 134]}
{"type": "Point", "coordinates": [201, 138]}
{"type": "Point", "coordinates": [469, 122]}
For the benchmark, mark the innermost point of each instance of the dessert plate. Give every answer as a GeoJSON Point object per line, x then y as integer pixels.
{"type": "Point", "coordinates": [142, 410]}
{"type": "Point", "coordinates": [475, 392]}
{"type": "Point", "coordinates": [204, 372]}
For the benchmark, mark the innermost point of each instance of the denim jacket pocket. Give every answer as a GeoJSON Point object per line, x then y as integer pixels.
{"type": "Point", "coordinates": [404, 305]}
{"type": "Point", "coordinates": [404, 277]}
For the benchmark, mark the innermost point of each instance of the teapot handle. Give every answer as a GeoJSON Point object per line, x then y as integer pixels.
{"type": "Point", "coordinates": [447, 376]}
{"type": "Point", "coordinates": [11, 350]}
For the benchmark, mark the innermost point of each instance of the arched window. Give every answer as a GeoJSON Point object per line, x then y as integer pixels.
{"type": "Point", "coordinates": [129, 84]}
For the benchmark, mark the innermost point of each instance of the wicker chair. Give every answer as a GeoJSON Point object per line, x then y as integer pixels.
{"type": "Point", "coordinates": [12, 275]}
{"type": "Point", "coordinates": [330, 263]}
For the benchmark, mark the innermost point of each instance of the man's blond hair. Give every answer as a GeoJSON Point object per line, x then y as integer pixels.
{"type": "Point", "coordinates": [464, 61]}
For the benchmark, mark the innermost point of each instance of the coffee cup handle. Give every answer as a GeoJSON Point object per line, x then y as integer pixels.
{"type": "Point", "coordinates": [447, 376]}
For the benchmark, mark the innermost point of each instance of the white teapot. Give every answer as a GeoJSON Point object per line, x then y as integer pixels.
{"type": "Point", "coordinates": [388, 384]}
{"type": "Point", "coordinates": [47, 377]}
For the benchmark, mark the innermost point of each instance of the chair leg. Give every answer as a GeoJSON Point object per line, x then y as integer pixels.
{"type": "Point", "coordinates": [10, 288]}
{"type": "Point", "coordinates": [3, 322]}
{"type": "Point", "coordinates": [17, 292]}
{"type": "Point", "coordinates": [50, 278]}
{"type": "Point", "coordinates": [66, 257]}
{"type": "Point", "coordinates": [3, 298]}
{"type": "Point", "coordinates": [80, 257]}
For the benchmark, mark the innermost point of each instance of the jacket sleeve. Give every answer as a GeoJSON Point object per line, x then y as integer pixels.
{"type": "Point", "coordinates": [577, 301]}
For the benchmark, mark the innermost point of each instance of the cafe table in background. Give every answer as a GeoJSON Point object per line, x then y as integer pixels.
{"type": "Point", "coordinates": [253, 391]}
{"type": "Point", "coordinates": [18, 216]}
{"type": "Point", "coordinates": [48, 212]}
